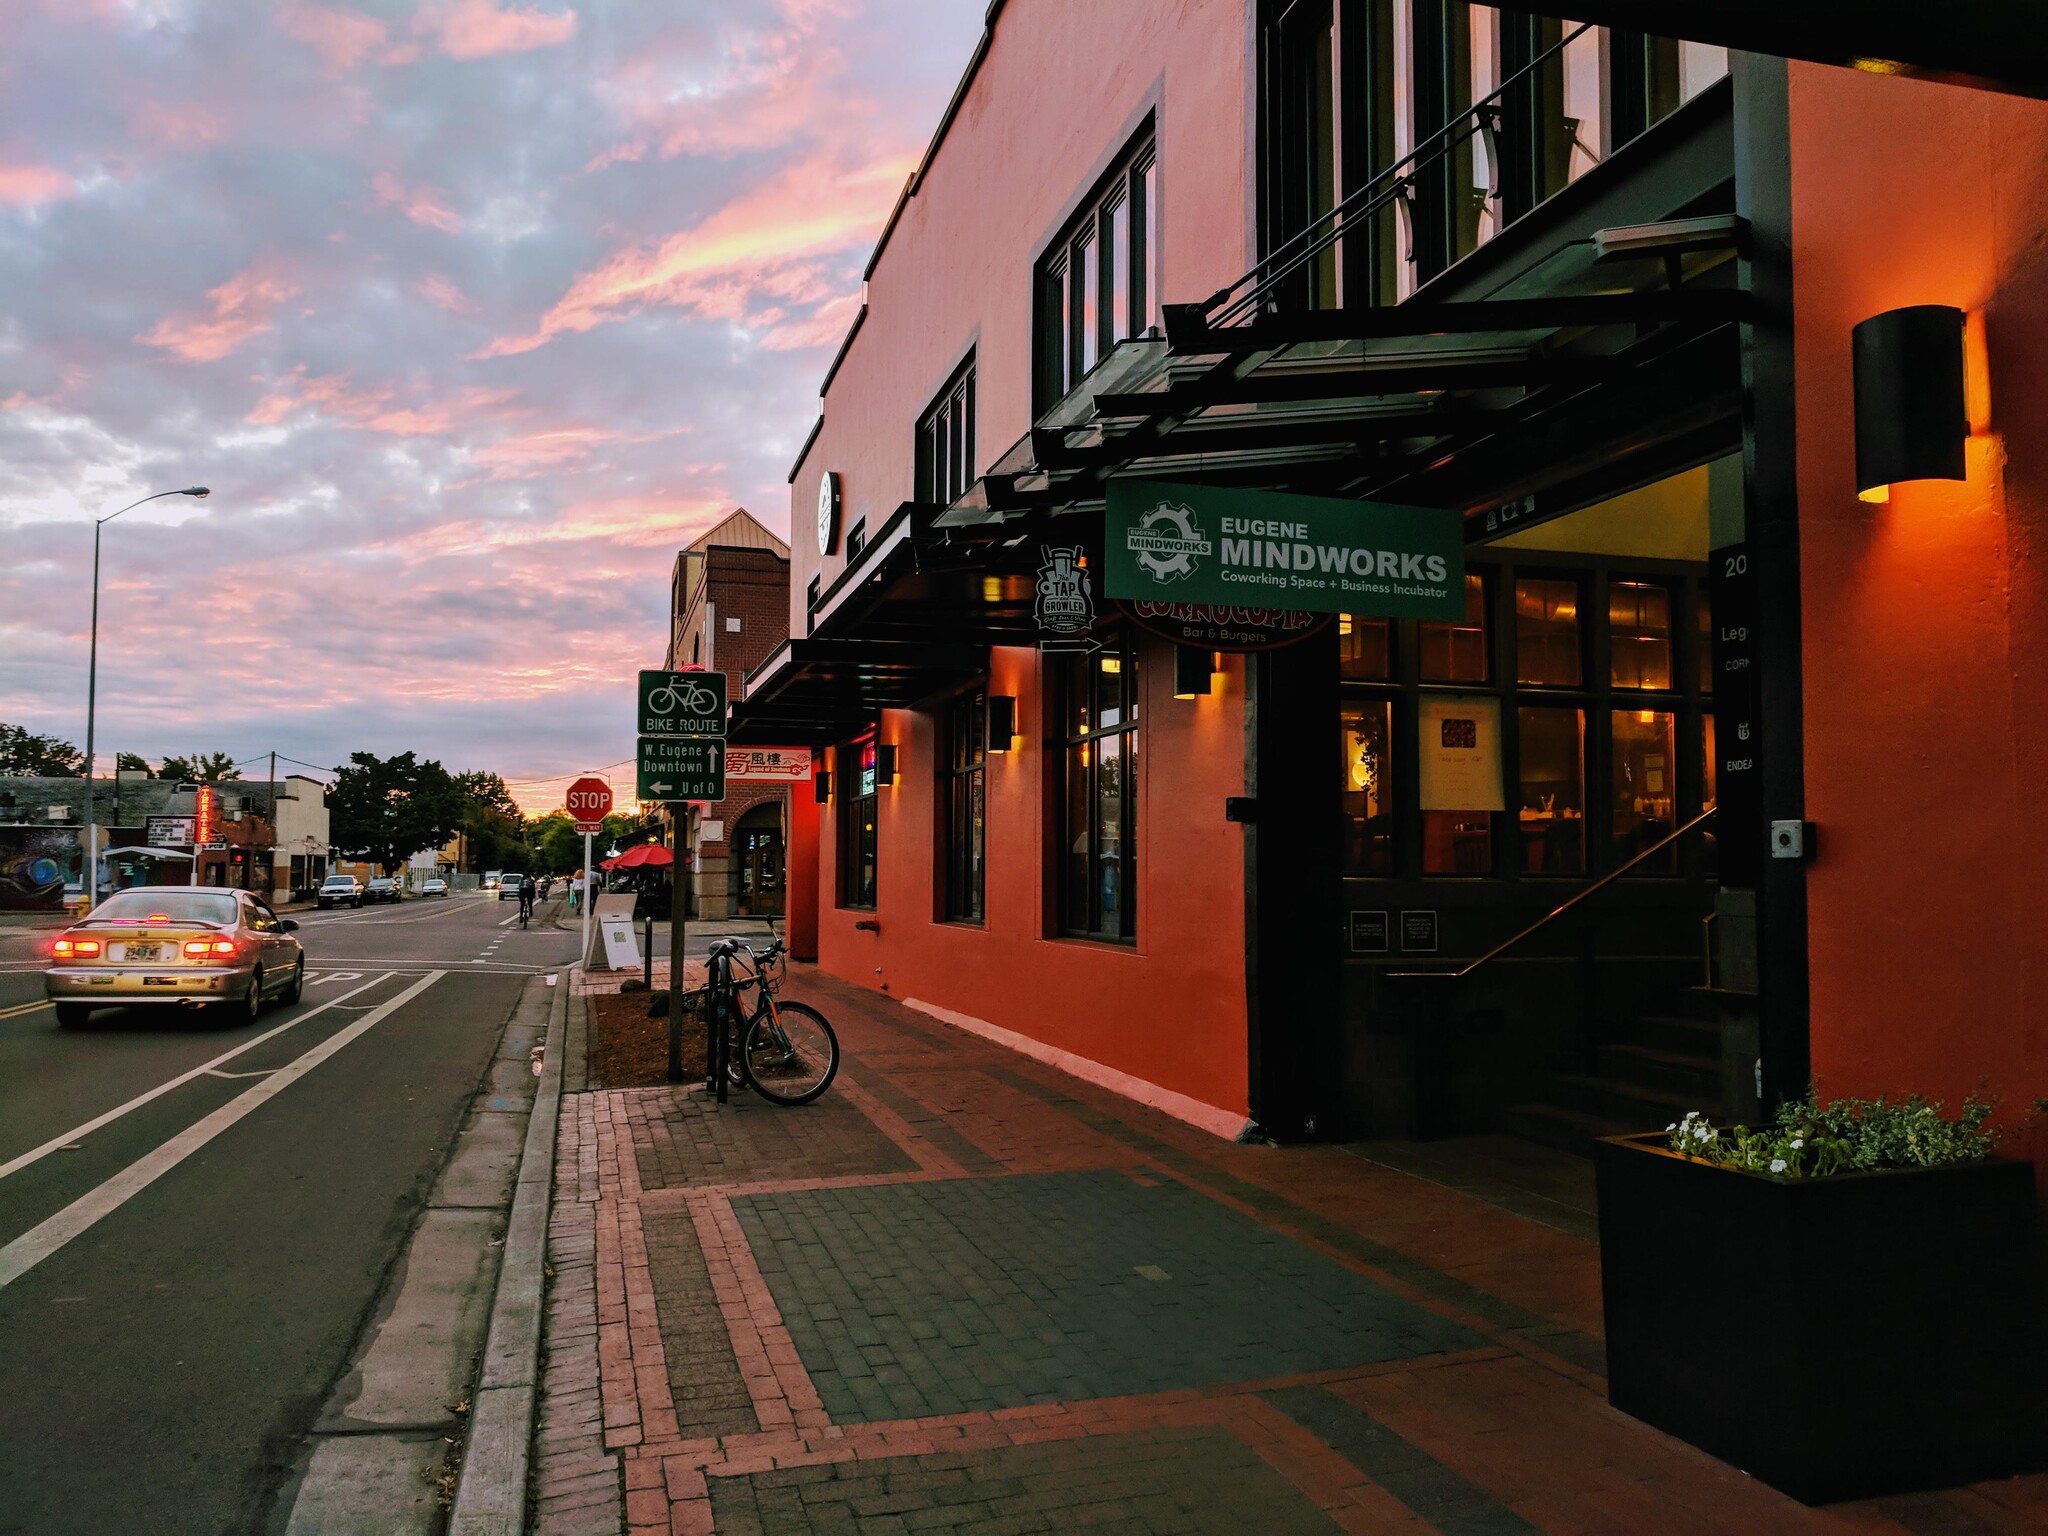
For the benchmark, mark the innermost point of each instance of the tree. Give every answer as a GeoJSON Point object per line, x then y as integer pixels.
{"type": "Point", "coordinates": [389, 808]}
{"type": "Point", "coordinates": [488, 790]}
{"type": "Point", "coordinates": [24, 753]}
{"type": "Point", "coordinates": [558, 846]}
{"type": "Point", "coordinates": [491, 821]}
{"type": "Point", "coordinates": [128, 762]}
{"type": "Point", "coordinates": [200, 768]}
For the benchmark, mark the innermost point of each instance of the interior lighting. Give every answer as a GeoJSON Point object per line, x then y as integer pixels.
{"type": "Point", "coordinates": [1912, 417]}
{"type": "Point", "coordinates": [1002, 722]}
{"type": "Point", "coordinates": [1191, 671]}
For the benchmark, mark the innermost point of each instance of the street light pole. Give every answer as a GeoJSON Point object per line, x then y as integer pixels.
{"type": "Point", "coordinates": [92, 680]}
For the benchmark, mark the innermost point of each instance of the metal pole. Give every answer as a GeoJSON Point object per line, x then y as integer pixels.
{"type": "Point", "coordinates": [678, 925]}
{"type": "Point", "coordinates": [589, 886]}
{"type": "Point", "coordinates": [92, 685]}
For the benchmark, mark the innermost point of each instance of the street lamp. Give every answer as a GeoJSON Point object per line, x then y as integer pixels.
{"type": "Point", "coordinates": [92, 676]}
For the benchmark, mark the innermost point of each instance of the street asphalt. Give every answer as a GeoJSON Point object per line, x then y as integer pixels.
{"type": "Point", "coordinates": [180, 1284]}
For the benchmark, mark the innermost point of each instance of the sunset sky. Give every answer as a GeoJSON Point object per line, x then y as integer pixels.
{"type": "Point", "coordinates": [470, 312]}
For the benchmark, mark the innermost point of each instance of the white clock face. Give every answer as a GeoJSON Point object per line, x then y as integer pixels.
{"type": "Point", "coordinates": [828, 498]}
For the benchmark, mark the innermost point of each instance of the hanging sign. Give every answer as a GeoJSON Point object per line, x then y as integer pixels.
{"type": "Point", "coordinates": [1232, 548]}
{"type": "Point", "coordinates": [171, 831]}
{"type": "Point", "coordinates": [1459, 742]}
{"type": "Point", "coordinates": [207, 821]}
{"type": "Point", "coordinates": [767, 765]}
{"type": "Point", "coordinates": [1226, 629]}
{"type": "Point", "coordinates": [1063, 602]}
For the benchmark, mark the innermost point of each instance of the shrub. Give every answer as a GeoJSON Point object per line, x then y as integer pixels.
{"type": "Point", "coordinates": [1808, 1139]}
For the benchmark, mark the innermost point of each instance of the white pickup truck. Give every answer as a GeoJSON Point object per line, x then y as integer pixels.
{"type": "Point", "coordinates": [340, 891]}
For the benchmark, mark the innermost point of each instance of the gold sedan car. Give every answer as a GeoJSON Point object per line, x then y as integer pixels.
{"type": "Point", "coordinates": [192, 945]}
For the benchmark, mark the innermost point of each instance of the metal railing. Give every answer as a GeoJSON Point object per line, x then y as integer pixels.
{"type": "Point", "coordinates": [1552, 916]}
{"type": "Point", "coordinates": [1482, 116]}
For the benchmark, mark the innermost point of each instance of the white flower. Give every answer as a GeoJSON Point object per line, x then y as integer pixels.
{"type": "Point", "coordinates": [1798, 1142]}
{"type": "Point", "coordinates": [1777, 1165]}
{"type": "Point", "coordinates": [1672, 1126]}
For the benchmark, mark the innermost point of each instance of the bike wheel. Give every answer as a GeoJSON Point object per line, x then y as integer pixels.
{"type": "Point", "coordinates": [791, 1055]}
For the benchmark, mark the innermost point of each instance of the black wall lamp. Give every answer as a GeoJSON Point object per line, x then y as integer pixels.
{"type": "Point", "coordinates": [1191, 671]}
{"type": "Point", "coordinates": [1912, 418]}
{"type": "Point", "coordinates": [885, 762]}
{"type": "Point", "coordinates": [821, 785]}
{"type": "Point", "coordinates": [1002, 722]}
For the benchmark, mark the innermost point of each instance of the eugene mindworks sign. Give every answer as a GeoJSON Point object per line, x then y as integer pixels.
{"type": "Point", "coordinates": [1206, 544]}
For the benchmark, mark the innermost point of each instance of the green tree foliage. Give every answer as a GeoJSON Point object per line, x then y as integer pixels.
{"type": "Point", "coordinates": [491, 819]}
{"type": "Point", "coordinates": [200, 768]}
{"type": "Point", "coordinates": [389, 808]}
{"type": "Point", "coordinates": [128, 762]}
{"type": "Point", "coordinates": [25, 753]}
{"type": "Point", "coordinates": [558, 846]}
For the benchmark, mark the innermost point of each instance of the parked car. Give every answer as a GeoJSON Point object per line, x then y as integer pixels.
{"type": "Point", "coordinates": [433, 887]}
{"type": "Point", "coordinates": [339, 891]}
{"type": "Point", "coordinates": [382, 888]}
{"type": "Point", "coordinates": [189, 945]}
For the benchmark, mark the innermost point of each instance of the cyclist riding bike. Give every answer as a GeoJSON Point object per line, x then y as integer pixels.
{"type": "Point", "coordinates": [526, 890]}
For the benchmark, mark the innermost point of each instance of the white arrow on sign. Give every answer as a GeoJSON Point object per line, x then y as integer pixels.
{"type": "Point", "coordinates": [661, 789]}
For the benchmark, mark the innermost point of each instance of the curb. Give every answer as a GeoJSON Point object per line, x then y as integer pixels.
{"type": "Point", "coordinates": [490, 1499]}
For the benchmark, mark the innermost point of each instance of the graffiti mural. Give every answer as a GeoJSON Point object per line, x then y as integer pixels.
{"type": "Point", "coordinates": [34, 862]}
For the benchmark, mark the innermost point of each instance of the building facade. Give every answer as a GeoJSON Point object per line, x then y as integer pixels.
{"type": "Point", "coordinates": [729, 609]}
{"type": "Point", "coordinates": [1616, 836]}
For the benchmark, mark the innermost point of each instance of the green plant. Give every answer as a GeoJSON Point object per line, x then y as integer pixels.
{"type": "Point", "coordinates": [1808, 1139]}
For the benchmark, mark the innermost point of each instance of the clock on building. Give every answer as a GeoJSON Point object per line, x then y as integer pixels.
{"type": "Point", "coordinates": [828, 511]}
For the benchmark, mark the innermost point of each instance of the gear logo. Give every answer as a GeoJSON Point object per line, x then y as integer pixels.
{"type": "Point", "coordinates": [1167, 542]}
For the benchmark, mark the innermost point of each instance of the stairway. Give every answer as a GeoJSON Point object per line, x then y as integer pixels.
{"type": "Point", "coordinates": [1667, 1064]}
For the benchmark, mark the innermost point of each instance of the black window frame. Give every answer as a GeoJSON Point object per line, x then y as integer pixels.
{"type": "Point", "coordinates": [962, 771]}
{"type": "Point", "coordinates": [945, 440]}
{"type": "Point", "coordinates": [856, 541]}
{"type": "Point", "coordinates": [1077, 736]}
{"type": "Point", "coordinates": [1129, 186]}
{"type": "Point", "coordinates": [859, 881]}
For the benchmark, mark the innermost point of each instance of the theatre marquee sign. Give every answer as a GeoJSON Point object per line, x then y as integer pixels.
{"type": "Point", "coordinates": [1204, 544]}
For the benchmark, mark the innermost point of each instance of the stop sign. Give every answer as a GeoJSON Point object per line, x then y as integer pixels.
{"type": "Point", "coordinates": [589, 801]}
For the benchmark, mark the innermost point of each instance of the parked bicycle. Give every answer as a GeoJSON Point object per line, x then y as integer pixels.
{"type": "Point", "coordinates": [784, 1051]}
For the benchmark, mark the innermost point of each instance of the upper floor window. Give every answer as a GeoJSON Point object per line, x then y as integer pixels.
{"type": "Point", "coordinates": [1099, 283]}
{"type": "Point", "coordinates": [945, 440]}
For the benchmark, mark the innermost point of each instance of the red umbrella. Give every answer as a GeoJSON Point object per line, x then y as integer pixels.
{"type": "Point", "coordinates": [644, 856]}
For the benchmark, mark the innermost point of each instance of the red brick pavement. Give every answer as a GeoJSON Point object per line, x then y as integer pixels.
{"type": "Point", "coordinates": [1517, 1427]}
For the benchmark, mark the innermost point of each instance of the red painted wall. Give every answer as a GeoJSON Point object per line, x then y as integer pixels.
{"type": "Point", "coordinates": [1064, 86]}
{"type": "Point", "coordinates": [1925, 620]}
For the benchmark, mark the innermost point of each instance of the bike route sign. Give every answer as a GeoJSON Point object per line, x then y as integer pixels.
{"type": "Point", "coordinates": [680, 770]}
{"type": "Point", "coordinates": [686, 704]}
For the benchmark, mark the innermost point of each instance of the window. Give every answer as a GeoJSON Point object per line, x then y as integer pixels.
{"type": "Point", "coordinates": [1553, 791]}
{"type": "Point", "coordinates": [945, 441]}
{"type": "Point", "coordinates": [1099, 283]}
{"type": "Point", "coordinates": [1364, 649]}
{"type": "Point", "coordinates": [1547, 632]}
{"type": "Point", "coordinates": [963, 799]}
{"type": "Point", "coordinates": [1459, 652]}
{"type": "Point", "coordinates": [857, 845]}
{"type": "Point", "coordinates": [1368, 787]}
{"type": "Point", "coordinates": [1099, 804]}
{"type": "Point", "coordinates": [1639, 634]}
{"type": "Point", "coordinates": [1644, 795]}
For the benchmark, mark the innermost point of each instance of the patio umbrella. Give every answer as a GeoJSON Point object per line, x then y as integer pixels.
{"type": "Point", "coordinates": [644, 856]}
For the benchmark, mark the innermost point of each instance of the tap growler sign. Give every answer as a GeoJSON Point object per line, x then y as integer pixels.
{"type": "Point", "coordinates": [1169, 543]}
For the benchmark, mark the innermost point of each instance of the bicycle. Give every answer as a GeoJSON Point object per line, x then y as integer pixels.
{"type": "Point", "coordinates": [786, 1052]}
{"type": "Point", "coordinates": [525, 913]}
{"type": "Point", "coordinates": [691, 699]}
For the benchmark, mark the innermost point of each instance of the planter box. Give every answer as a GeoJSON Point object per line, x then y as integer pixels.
{"type": "Point", "coordinates": [1837, 1338]}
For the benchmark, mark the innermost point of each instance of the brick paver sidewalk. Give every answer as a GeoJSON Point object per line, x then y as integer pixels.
{"type": "Point", "coordinates": [966, 1293]}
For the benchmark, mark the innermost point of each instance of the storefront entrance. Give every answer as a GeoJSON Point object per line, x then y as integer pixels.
{"type": "Point", "coordinates": [758, 860]}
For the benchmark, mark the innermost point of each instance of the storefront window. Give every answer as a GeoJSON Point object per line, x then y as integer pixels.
{"type": "Point", "coordinates": [1644, 794]}
{"type": "Point", "coordinates": [1364, 650]}
{"type": "Point", "coordinates": [1099, 806]}
{"type": "Point", "coordinates": [1553, 791]}
{"type": "Point", "coordinates": [1458, 652]}
{"type": "Point", "coordinates": [857, 844]}
{"type": "Point", "coordinates": [1368, 790]}
{"type": "Point", "coordinates": [1547, 651]}
{"type": "Point", "coordinates": [1704, 609]}
{"type": "Point", "coordinates": [1639, 634]}
{"type": "Point", "coordinates": [1458, 781]}
{"type": "Point", "coordinates": [962, 788]}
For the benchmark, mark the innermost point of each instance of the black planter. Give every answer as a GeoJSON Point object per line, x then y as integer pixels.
{"type": "Point", "coordinates": [1836, 1338]}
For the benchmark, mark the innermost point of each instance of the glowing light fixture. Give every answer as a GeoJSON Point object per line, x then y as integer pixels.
{"type": "Point", "coordinates": [1191, 671]}
{"type": "Point", "coordinates": [885, 762]}
{"type": "Point", "coordinates": [1002, 722]}
{"type": "Point", "coordinates": [1912, 417]}
{"type": "Point", "coordinates": [821, 786]}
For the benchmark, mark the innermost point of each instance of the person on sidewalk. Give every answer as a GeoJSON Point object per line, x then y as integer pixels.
{"type": "Point", "coordinates": [575, 893]}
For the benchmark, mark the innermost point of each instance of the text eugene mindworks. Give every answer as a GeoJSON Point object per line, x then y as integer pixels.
{"type": "Point", "coordinates": [1271, 548]}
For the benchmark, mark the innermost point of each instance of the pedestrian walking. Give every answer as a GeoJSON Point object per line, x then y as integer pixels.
{"type": "Point", "coordinates": [575, 893]}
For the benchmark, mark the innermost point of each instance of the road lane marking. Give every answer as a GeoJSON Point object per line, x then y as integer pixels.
{"type": "Point", "coordinates": [82, 1214]}
{"type": "Point", "coordinates": [20, 1008]}
{"type": "Point", "coordinates": [57, 1143]}
{"type": "Point", "coordinates": [232, 1076]}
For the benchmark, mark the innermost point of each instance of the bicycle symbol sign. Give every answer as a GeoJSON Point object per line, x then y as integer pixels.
{"type": "Point", "coordinates": [682, 704]}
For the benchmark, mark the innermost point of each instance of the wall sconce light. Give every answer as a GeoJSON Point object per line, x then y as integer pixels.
{"type": "Point", "coordinates": [885, 762]}
{"type": "Point", "coordinates": [821, 786]}
{"type": "Point", "coordinates": [1002, 722]}
{"type": "Point", "coordinates": [1191, 671]}
{"type": "Point", "coordinates": [1911, 414]}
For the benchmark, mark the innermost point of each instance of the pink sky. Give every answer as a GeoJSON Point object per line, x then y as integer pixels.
{"type": "Point", "coordinates": [469, 311]}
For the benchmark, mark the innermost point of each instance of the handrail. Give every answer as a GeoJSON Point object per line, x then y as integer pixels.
{"type": "Point", "coordinates": [1368, 197]}
{"type": "Point", "coordinates": [1604, 881]}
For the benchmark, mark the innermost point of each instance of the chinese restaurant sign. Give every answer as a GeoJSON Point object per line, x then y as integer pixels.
{"type": "Point", "coordinates": [767, 765]}
{"type": "Point", "coordinates": [1234, 549]}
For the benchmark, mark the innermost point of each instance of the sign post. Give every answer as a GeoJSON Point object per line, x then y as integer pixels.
{"type": "Point", "coordinates": [588, 802]}
{"type": "Point", "coordinates": [682, 758]}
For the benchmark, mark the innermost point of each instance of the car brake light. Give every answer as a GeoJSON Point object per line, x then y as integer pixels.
{"type": "Point", "coordinates": [75, 949]}
{"type": "Point", "coordinates": [198, 947]}
{"type": "Point", "coordinates": [158, 917]}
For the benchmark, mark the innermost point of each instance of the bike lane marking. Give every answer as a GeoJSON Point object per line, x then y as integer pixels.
{"type": "Point", "coordinates": [46, 1238]}
{"type": "Point", "coordinates": [34, 1154]}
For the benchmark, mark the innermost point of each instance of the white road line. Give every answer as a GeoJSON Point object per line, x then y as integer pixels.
{"type": "Point", "coordinates": [509, 921]}
{"type": "Point", "coordinates": [46, 1238]}
{"type": "Point", "coordinates": [56, 1143]}
{"type": "Point", "coordinates": [20, 1008]}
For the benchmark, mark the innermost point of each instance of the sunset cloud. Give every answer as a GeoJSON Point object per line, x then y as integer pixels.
{"type": "Point", "coordinates": [477, 29]}
{"type": "Point", "coordinates": [341, 36]}
{"type": "Point", "coordinates": [25, 185]}
{"type": "Point", "coordinates": [423, 205]}
{"type": "Point", "coordinates": [241, 310]}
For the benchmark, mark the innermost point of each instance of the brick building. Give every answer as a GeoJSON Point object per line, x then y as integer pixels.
{"type": "Point", "coordinates": [729, 610]}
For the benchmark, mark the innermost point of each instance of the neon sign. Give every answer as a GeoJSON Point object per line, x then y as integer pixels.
{"type": "Point", "coordinates": [204, 832]}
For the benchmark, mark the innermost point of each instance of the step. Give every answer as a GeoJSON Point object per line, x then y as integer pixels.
{"type": "Point", "coordinates": [1552, 1125]}
{"type": "Point", "coordinates": [1635, 1108]}
{"type": "Point", "coordinates": [1637, 1066]}
{"type": "Point", "coordinates": [1677, 1036]}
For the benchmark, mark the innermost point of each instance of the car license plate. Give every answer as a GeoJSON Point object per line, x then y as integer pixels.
{"type": "Point", "coordinates": [159, 981]}
{"type": "Point", "coordinates": [143, 952]}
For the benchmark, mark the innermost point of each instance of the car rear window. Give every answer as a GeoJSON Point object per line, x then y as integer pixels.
{"type": "Point", "coordinates": [172, 906]}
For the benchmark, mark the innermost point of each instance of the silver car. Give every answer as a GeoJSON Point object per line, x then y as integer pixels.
{"type": "Point", "coordinates": [192, 945]}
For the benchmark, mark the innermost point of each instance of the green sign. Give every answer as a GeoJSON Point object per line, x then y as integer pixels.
{"type": "Point", "coordinates": [680, 770]}
{"type": "Point", "coordinates": [682, 704]}
{"type": "Point", "coordinates": [1259, 549]}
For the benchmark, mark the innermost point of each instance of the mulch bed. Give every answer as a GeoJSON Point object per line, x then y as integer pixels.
{"type": "Point", "coordinates": [630, 1050]}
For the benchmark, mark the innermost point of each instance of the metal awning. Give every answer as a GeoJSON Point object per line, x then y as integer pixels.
{"type": "Point", "coordinates": [812, 692]}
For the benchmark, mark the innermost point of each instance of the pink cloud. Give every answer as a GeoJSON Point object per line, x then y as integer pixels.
{"type": "Point", "coordinates": [241, 310]}
{"type": "Point", "coordinates": [342, 37]}
{"type": "Point", "coordinates": [23, 185]}
{"type": "Point", "coordinates": [477, 29]}
{"type": "Point", "coordinates": [182, 125]}
{"type": "Point", "coordinates": [331, 397]}
{"type": "Point", "coordinates": [532, 453]}
{"type": "Point", "coordinates": [421, 204]}
{"type": "Point", "coordinates": [436, 288]}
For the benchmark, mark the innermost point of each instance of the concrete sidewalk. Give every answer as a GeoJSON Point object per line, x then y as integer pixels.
{"type": "Point", "coordinates": [965, 1292]}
